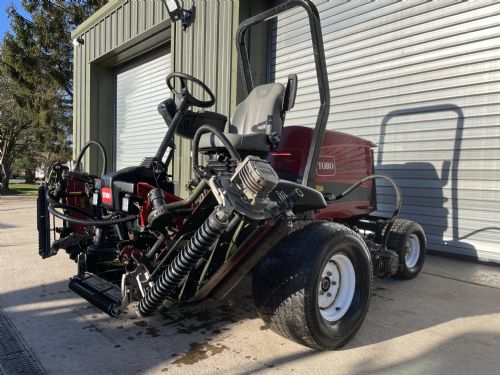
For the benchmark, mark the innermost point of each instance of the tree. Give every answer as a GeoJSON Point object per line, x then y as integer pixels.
{"type": "Point", "coordinates": [13, 127]}
{"type": "Point", "coordinates": [37, 56]}
{"type": "Point", "coordinates": [40, 48]}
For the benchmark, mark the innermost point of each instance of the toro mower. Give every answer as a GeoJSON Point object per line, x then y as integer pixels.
{"type": "Point", "coordinates": [293, 206]}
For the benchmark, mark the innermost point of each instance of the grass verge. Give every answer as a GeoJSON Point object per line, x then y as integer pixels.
{"type": "Point", "coordinates": [22, 189]}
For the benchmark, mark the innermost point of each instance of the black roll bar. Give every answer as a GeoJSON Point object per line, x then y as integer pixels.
{"type": "Point", "coordinates": [321, 72]}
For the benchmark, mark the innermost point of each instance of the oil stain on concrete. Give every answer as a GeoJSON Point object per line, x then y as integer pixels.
{"type": "Point", "coordinates": [198, 352]}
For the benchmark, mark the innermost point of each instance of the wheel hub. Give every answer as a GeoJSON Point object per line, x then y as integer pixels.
{"type": "Point", "coordinates": [325, 284]}
{"type": "Point", "coordinates": [336, 287]}
{"type": "Point", "coordinates": [412, 251]}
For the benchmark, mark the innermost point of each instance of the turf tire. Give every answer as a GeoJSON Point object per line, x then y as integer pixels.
{"type": "Point", "coordinates": [286, 282]}
{"type": "Point", "coordinates": [399, 240]}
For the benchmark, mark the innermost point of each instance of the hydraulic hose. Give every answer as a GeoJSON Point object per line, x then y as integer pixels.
{"type": "Point", "coordinates": [199, 245]}
{"type": "Point", "coordinates": [397, 189]}
{"type": "Point", "coordinates": [196, 140]}
{"type": "Point", "coordinates": [92, 222]}
{"type": "Point", "coordinates": [190, 200]}
{"type": "Point", "coordinates": [165, 258]}
{"type": "Point", "coordinates": [82, 152]}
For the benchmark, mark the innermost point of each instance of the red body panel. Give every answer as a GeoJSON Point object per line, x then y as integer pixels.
{"type": "Point", "coordinates": [77, 198]}
{"type": "Point", "coordinates": [344, 159]}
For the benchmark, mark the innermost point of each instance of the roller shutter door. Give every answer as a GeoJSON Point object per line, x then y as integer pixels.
{"type": "Point", "coordinates": [139, 128]}
{"type": "Point", "coordinates": [422, 79]}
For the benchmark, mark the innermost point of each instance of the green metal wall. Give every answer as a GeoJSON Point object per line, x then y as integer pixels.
{"type": "Point", "coordinates": [125, 29]}
{"type": "Point", "coordinates": [112, 35]}
{"type": "Point", "coordinates": [206, 51]}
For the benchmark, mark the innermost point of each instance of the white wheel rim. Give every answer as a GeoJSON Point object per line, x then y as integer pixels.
{"type": "Point", "coordinates": [412, 251]}
{"type": "Point", "coordinates": [336, 287]}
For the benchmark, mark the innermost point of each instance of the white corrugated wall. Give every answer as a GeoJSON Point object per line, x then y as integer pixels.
{"type": "Point", "coordinates": [422, 79]}
{"type": "Point", "coordinates": [139, 128]}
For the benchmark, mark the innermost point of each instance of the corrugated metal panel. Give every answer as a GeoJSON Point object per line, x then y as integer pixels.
{"type": "Point", "coordinates": [423, 80]}
{"type": "Point", "coordinates": [205, 50]}
{"type": "Point", "coordinates": [103, 36]}
{"type": "Point", "coordinates": [139, 90]}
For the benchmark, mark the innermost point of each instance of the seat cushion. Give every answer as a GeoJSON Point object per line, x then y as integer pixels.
{"type": "Point", "coordinates": [247, 142]}
{"type": "Point", "coordinates": [260, 112]}
{"type": "Point", "coordinates": [254, 119]}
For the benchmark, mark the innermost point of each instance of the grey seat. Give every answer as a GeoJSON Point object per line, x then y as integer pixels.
{"type": "Point", "coordinates": [254, 119]}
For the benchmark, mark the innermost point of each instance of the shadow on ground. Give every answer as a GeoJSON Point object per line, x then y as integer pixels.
{"type": "Point", "coordinates": [190, 334]}
{"type": "Point", "coordinates": [186, 333]}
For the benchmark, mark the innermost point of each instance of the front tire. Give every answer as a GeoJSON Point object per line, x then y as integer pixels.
{"type": "Point", "coordinates": [314, 287]}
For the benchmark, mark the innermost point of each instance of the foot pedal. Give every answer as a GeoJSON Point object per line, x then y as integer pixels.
{"type": "Point", "coordinates": [101, 293]}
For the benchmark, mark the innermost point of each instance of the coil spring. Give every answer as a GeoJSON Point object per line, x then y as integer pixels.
{"type": "Point", "coordinates": [201, 242]}
{"type": "Point", "coordinates": [107, 304]}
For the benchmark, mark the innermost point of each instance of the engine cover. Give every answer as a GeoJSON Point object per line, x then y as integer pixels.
{"type": "Point", "coordinates": [343, 160]}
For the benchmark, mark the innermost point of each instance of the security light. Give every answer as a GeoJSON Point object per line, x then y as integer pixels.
{"type": "Point", "coordinates": [78, 42]}
{"type": "Point", "coordinates": [176, 13]}
{"type": "Point", "coordinates": [174, 9]}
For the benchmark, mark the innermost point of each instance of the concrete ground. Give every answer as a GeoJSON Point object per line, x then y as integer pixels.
{"type": "Point", "coordinates": [447, 321]}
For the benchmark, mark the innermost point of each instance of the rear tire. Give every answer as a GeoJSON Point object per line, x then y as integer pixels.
{"type": "Point", "coordinates": [407, 238]}
{"type": "Point", "coordinates": [314, 287]}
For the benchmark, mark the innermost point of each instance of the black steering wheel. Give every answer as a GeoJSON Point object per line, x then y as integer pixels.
{"type": "Point", "coordinates": [184, 78]}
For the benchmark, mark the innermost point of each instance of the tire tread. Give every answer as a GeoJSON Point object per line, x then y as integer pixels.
{"type": "Point", "coordinates": [281, 305]}
{"type": "Point", "coordinates": [396, 242]}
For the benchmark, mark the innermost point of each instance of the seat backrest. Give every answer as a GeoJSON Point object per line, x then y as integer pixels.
{"type": "Point", "coordinates": [260, 112]}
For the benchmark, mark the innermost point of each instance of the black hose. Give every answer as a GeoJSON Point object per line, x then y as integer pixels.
{"type": "Point", "coordinates": [196, 140]}
{"type": "Point", "coordinates": [199, 245]}
{"type": "Point", "coordinates": [172, 248]}
{"type": "Point", "coordinates": [398, 200]}
{"type": "Point", "coordinates": [93, 222]}
{"type": "Point", "coordinates": [71, 208]}
{"type": "Point", "coordinates": [82, 152]}
{"type": "Point", "coordinates": [190, 200]}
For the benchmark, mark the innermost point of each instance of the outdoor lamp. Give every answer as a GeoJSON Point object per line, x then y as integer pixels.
{"type": "Point", "coordinates": [78, 42]}
{"type": "Point", "coordinates": [174, 9]}
{"type": "Point", "coordinates": [176, 13]}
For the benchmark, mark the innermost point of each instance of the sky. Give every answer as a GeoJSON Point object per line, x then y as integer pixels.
{"type": "Point", "coordinates": [4, 21]}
